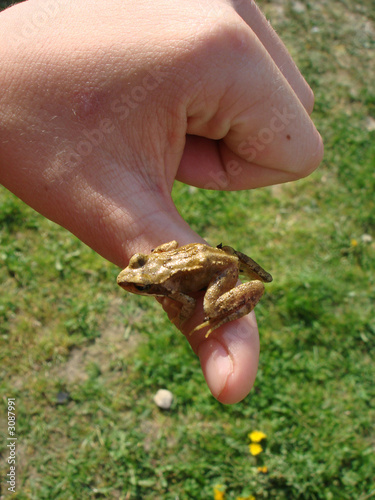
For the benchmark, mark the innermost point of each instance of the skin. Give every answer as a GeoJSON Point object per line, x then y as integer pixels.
{"type": "Point", "coordinates": [104, 105]}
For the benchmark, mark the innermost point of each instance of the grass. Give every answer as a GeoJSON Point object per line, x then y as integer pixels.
{"type": "Point", "coordinates": [66, 328]}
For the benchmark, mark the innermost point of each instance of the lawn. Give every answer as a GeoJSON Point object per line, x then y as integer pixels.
{"type": "Point", "coordinates": [83, 359]}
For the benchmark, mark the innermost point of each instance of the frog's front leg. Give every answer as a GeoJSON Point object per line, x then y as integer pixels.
{"type": "Point", "coordinates": [187, 307]}
{"type": "Point", "coordinates": [225, 302]}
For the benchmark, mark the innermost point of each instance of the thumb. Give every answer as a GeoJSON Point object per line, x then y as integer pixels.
{"type": "Point", "coordinates": [229, 356]}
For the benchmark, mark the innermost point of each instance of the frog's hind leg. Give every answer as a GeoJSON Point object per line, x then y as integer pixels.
{"type": "Point", "coordinates": [233, 305]}
{"type": "Point", "coordinates": [248, 266]}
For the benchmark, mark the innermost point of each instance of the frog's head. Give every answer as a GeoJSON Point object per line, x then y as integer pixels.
{"type": "Point", "coordinates": [134, 277]}
{"type": "Point", "coordinates": [131, 278]}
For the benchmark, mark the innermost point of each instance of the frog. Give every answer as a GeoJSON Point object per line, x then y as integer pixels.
{"type": "Point", "coordinates": [179, 272]}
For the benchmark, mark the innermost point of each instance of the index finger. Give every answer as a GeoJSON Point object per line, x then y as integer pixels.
{"type": "Point", "coordinates": [252, 15]}
{"type": "Point", "coordinates": [246, 125]}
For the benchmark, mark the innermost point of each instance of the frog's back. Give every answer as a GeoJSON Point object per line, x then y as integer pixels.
{"type": "Point", "coordinates": [195, 257]}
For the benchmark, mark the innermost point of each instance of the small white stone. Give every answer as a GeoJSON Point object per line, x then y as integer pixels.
{"type": "Point", "coordinates": [163, 399]}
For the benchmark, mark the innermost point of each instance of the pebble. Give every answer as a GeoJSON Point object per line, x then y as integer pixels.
{"type": "Point", "coordinates": [163, 399]}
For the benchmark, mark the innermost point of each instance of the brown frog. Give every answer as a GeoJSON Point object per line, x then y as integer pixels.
{"type": "Point", "coordinates": [178, 272]}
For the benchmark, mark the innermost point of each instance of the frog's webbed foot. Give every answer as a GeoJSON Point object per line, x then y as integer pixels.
{"type": "Point", "coordinates": [233, 305]}
{"type": "Point", "coordinates": [187, 306]}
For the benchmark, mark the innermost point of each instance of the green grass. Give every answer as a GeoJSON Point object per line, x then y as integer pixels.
{"type": "Point", "coordinates": [66, 327]}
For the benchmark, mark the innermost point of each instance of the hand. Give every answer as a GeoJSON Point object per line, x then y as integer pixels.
{"type": "Point", "coordinates": [105, 104]}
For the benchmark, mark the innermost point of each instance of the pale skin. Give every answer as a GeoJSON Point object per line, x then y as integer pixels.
{"type": "Point", "coordinates": [103, 105]}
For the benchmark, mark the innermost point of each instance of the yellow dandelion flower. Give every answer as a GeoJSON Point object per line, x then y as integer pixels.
{"type": "Point", "coordinates": [353, 242]}
{"type": "Point", "coordinates": [219, 492]}
{"type": "Point", "coordinates": [257, 436]}
{"type": "Point", "coordinates": [263, 469]}
{"type": "Point", "coordinates": [251, 497]}
{"type": "Point", "coordinates": [255, 449]}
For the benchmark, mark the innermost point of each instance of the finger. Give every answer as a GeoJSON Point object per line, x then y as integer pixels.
{"type": "Point", "coordinates": [229, 355]}
{"type": "Point", "coordinates": [229, 358]}
{"type": "Point", "coordinates": [247, 105]}
{"type": "Point", "coordinates": [270, 158]}
{"type": "Point", "coordinates": [251, 14]}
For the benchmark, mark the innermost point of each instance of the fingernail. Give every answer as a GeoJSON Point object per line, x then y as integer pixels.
{"type": "Point", "coordinates": [219, 367]}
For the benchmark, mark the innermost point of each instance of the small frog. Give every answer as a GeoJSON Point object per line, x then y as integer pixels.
{"type": "Point", "coordinates": [178, 272]}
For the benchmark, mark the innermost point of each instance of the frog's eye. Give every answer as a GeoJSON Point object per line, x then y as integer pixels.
{"type": "Point", "coordinates": [142, 288]}
{"type": "Point", "coordinates": [138, 260]}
